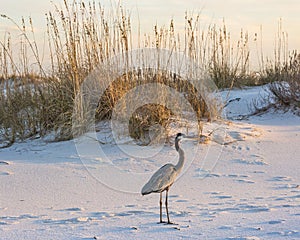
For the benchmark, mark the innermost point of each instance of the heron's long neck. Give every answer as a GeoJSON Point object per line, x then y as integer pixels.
{"type": "Point", "coordinates": [180, 163]}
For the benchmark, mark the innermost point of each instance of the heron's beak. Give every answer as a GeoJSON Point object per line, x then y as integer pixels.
{"type": "Point", "coordinates": [190, 138]}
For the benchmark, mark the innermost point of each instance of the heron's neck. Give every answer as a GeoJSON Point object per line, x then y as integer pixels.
{"type": "Point", "coordinates": [180, 163]}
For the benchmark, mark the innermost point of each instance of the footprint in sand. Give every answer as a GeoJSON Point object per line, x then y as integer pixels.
{"type": "Point", "coordinates": [134, 213]}
{"type": "Point", "coordinates": [281, 179]}
{"type": "Point", "coordinates": [223, 197]}
{"type": "Point", "coordinates": [8, 220]}
{"type": "Point", "coordinates": [248, 208]}
{"type": "Point", "coordinates": [5, 173]}
{"type": "Point", "coordinates": [181, 200]}
{"type": "Point", "coordinates": [244, 181]}
{"type": "Point", "coordinates": [243, 238]}
{"type": "Point", "coordinates": [288, 233]}
{"type": "Point", "coordinates": [74, 209]}
{"type": "Point", "coordinates": [241, 148]}
{"type": "Point", "coordinates": [219, 195]}
{"type": "Point", "coordinates": [287, 186]}
{"type": "Point", "coordinates": [252, 160]}
{"type": "Point", "coordinates": [202, 173]}
{"type": "Point", "coordinates": [237, 176]}
{"type": "Point", "coordinates": [76, 220]}
{"type": "Point", "coordinates": [4, 163]}
{"type": "Point", "coordinates": [240, 178]}
{"type": "Point", "coordinates": [100, 215]}
{"type": "Point", "coordinates": [272, 222]}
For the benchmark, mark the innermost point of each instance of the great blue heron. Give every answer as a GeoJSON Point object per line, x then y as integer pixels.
{"type": "Point", "coordinates": [164, 177]}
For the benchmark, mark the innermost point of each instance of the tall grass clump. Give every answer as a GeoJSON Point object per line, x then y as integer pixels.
{"type": "Point", "coordinates": [80, 36]}
{"type": "Point", "coordinates": [20, 87]}
{"type": "Point", "coordinates": [229, 65]}
{"type": "Point", "coordinates": [285, 85]}
{"type": "Point", "coordinates": [282, 74]}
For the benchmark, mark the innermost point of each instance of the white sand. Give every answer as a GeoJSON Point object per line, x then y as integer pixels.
{"type": "Point", "coordinates": [250, 191]}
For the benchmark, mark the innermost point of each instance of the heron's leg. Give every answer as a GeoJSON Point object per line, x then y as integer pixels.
{"type": "Point", "coordinates": [160, 207]}
{"type": "Point", "coordinates": [167, 190]}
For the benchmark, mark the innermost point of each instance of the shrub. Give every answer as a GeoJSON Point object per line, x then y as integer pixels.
{"type": "Point", "coordinates": [285, 86]}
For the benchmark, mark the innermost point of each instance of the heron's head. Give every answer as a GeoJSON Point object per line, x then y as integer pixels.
{"type": "Point", "coordinates": [179, 136]}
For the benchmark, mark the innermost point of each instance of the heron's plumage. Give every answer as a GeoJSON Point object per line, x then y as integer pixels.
{"type": "Point", "coordinates": [161, 179]}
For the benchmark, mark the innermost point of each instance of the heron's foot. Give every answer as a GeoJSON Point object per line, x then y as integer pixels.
{"type": "Point", "coordinates": [167, 223]}
{"type": "Point", "coordinates": [160, 222]}
{"type": "Point", "coordinates": [171, 223]}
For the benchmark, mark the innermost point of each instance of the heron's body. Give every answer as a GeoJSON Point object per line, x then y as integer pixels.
{"type": "Point", "coordinates": [161, 180]}
{"type": "Point", "coordinates": [164, 177]}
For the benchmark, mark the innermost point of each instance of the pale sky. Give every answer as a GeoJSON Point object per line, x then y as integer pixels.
{"type": "Point", "coordinates": [246, 14]}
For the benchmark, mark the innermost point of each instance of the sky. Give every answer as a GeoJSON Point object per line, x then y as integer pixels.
{"type": "Point", "coordinates": [248, 15]}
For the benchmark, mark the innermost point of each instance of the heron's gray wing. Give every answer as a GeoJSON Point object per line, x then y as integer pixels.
{"type": "Point", "coordinates": [161, 179]}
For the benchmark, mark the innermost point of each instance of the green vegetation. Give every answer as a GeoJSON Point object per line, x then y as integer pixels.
{"type": "Point", "coordinates": [36, 99]}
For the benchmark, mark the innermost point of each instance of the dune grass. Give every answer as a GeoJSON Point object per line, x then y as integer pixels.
{"type": "Point", "coordinates": [37, 99]}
